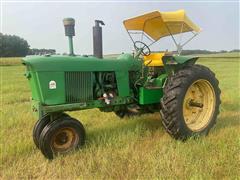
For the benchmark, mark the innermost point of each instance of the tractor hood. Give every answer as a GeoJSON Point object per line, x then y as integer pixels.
{"type": "Point", "coordinates": [80, 63]}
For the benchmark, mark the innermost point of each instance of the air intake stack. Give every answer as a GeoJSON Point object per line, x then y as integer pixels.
{"type": "Point", "coordinates": [97, 39]}
{"type": "Point", "coordinates": [69, 24]}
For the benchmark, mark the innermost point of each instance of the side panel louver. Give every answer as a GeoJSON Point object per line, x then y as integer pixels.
{"type": "Point", "coordinates": [79, 86]}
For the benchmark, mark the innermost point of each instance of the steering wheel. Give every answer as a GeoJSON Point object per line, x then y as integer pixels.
{"type": "Point", "coordinates": [141, 46]}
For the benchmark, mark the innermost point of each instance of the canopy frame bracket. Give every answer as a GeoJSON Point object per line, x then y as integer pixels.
{"type": "Point", "coordinates": [180, 46]}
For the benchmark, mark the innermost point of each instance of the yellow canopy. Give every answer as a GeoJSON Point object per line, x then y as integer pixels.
{"type": "Point", "coordinates": [159, 24]}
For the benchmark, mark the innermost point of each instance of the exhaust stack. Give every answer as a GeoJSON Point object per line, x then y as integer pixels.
{"type": "Point", "coordinates": [69, 24]}
{"type": "Point", "coordinates": [97, 39]}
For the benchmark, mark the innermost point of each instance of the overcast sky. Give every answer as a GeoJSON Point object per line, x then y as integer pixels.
{"type": "Point", "coordinates": [41, 24]}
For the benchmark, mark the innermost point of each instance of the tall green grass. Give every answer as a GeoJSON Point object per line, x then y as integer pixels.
{"type": "Point", "coordinates": [136, 148]}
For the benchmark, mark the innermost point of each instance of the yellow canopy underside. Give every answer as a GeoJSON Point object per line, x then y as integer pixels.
{"type": "Point", "coordinates": [158, 24]}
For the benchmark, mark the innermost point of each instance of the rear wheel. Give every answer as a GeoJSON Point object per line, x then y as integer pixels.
{"type": "Point", "coordinates": [190, 104]}
{"type": "Point", "coordinates": [61, 136]}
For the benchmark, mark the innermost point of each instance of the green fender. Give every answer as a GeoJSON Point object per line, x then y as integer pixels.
{"type": "Point", "coordinates": [173, 63]}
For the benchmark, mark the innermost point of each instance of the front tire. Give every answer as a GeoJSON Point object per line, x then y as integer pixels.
{"type": "Point", "coordinates": [61, 136]}
{"type": "Point", "coordinates": [191, 101]}
{"type": "Point", "coordinates": [39, 125]}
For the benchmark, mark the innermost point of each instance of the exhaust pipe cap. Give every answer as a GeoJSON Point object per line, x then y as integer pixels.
{"type": "Point", "coordinates": [68, 22]}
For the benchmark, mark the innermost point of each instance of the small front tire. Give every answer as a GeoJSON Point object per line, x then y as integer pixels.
{"type": "Point", "coordinates": [38, 127]}
{"type": "Point", "coordinates": [61, 136]}
{"type": "Point", "coordinates": [40, 124]}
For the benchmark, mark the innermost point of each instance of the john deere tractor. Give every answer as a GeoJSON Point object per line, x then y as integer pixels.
{"type": "Point", "coordinates": [186, 94]}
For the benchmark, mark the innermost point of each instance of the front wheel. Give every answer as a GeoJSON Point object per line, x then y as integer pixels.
{"type": "Point", "coordinates": [61, 136]}
{"type": "Point", "coordinates": [39, 125]}
{"type": "Point", "coordinates": [191, 101]}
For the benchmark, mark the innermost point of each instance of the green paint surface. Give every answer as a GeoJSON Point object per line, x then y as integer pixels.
{"type": "Point", "coordinates": [150, 96]}
{"type": "Point", "coordinates": [80, 63]}
{"type": "Point", "coordinates": [42, 70]}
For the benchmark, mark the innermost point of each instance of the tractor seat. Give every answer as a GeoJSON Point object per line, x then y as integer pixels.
{"type": "Point", "coordinates": [154, 59]}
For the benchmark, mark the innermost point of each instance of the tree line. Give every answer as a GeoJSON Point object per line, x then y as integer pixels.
{"type": "Point", "coordinates": [198, 51]}
{"type": "Point", "coordinates": [15, 46]}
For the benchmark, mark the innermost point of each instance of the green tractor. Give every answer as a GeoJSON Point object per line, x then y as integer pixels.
{"type": "Point", "coordinates": [186, 95]}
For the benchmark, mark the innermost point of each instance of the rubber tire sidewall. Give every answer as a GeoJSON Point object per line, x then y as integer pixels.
{"type": "Point", "coordinates": [187, 84]}
{"type": "Point", "coordinates": [50, 129]}
{"type": "Point", "coordinates": [38, 127]}
{"type": "Point", "coordinates": [197, 72]}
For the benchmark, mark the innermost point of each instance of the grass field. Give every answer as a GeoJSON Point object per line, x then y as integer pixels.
{"type": "Point", "coordinates": [121, 149]}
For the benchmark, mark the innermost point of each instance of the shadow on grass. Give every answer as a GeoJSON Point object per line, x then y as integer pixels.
{"type": "Point", "coordinates": [139, 127]}
{"type": "Point", "coordinates": [129, 128]}
{"type": "Point", "coordinates": [7, 65]}
{"type": "Point", "coordinates": [230, 121]}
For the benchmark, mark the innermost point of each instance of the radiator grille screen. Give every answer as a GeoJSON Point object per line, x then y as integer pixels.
{"type": "Point", "coordinates": [78, 86]}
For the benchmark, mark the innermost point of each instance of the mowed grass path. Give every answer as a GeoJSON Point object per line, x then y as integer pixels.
{"type": "Point", "coordinates": [122, 149]}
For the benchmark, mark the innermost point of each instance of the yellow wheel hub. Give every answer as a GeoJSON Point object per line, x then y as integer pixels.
{"type": "Point", "coordinates": [64, 140]}
{"type": "Point", "coordinates": [199, 105]}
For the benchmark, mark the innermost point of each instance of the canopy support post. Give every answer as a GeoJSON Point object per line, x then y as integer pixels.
{"type": "Point", "coordinates": [179, 48]}
{"type": "Point", "coordinates": [179, 45]}
{"type": "Point", "coordinates": [195, 34]}
{"type": "Point", "coordinates": [130, 36]}
{"type": "Point", "coordinates": [181, 35]}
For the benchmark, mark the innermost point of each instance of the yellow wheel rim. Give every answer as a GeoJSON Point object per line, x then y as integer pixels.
{"type": "Point", "coordinates": [64, 140]}
{"type": "Point", "coordinates": [199, 105]}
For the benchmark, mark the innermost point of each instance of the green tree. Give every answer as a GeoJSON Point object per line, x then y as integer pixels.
{"type": "Point", "coordinates": [13, 46]}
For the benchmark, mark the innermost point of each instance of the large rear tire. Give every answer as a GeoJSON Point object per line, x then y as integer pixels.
{"type": "Point", "coordinates": [191, 101]}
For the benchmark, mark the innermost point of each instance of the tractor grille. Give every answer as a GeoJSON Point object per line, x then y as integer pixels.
{"type": "Point", "coordinates": [78, 86]}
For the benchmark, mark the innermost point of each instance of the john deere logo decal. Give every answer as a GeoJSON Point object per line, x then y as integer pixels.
{"type": "Point", "coordinates": [52, 85]}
